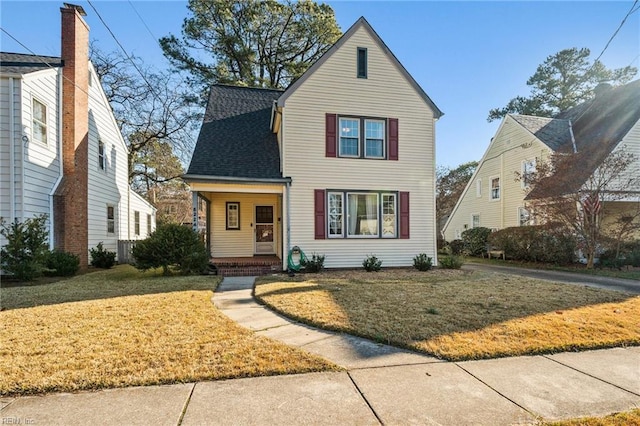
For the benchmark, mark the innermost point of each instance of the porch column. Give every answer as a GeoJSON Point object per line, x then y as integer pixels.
{"type": "Point", "coordinates": [286, 242]}
{"type": "Point", "coordinates": [194, 195]}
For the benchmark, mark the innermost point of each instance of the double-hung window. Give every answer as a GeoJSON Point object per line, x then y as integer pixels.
{"type": "Point", "coordinates": [362, 137]}
{"type": "Point", "coordinates": [524, 217]}
{"type": "Point", "coordinates": [495, 188]}
{"type": "Point", "coordinates": [111, 220]}
{"type": "Point", "coordinates": [39, 112]}
{"type": "Point", "coordinates": [528, 169]}
{"type": "Point", "coordinates": [362, 214]}
{"type": "Point", "coordinates": [136, 222]}
{"type": "Point", "coordinates": [102, 160]}
{"type": "Point", "coordinates": [349, 137]}
{"type": "Point", "coordinates": [475, 220]}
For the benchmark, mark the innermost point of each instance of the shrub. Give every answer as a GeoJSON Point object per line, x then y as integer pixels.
{"type": "Point", "coordinates": [626, 254]}
{"type": "Point", "coordinates": [101, 258]}
{"type": "Point", "coordinates": [474, 240]}
{"type": "Point", "coordinates": [172, 246]}
{"type": "Point", "coordinates": [25, 253]}
{"type": "Point", "coordinates": [371, 263]}
{"type": "Point", "coordinates": [313, 265]}
{"type": "Point", "coordinates": [62, 264]}
{"type": "Point", "coordinates": [456, 247]}
{"type": "Point", "coordinates": [451, 262]}
{"type": "Point", "coordinates": [535, 244]}
{"type": "Point", "coordinates": [422, 262]}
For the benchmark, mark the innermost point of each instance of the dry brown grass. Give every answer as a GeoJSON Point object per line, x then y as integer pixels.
{"type": "Point", "coordinates": [629, 418]}
{"type": "Point", "coordinates": [114, 328]}
{"type": "Point", "coordinates": [458, 315]}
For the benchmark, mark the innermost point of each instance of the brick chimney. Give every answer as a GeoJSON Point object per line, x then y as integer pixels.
{"type": "Point", "coordinates": [70, 200]}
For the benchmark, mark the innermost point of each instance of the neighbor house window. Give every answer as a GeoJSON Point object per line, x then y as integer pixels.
{"type": "Point", "coordinates": [148, 224]}
{"type": "Point", "coordinates": [475, 221]}
{"type": "Point", "coordinates": [349, 137]}
{"type": "Point", "coordinates": [233, 215]}
{"type": "Point", "coordinates": [362, 62]}
{"type": "Point", "coordinates": [111, 220]}
{"type": "Point", "coordinates": [136, 222]}
{"type": "Point", "coordinates": [528, 169]}
{"type": "Point", "coordinates": [495, 188]}
{"type": "Point", "coordinates": [101, 157]}
{"type": "Point", "coordinates": [479, 188]}
{"type": "Point", "coordinates": [524, 217]}
{"type": "Point", "coordinates": [39, 114]}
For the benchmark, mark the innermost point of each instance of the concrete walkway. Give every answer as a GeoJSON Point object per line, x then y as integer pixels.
{"type": "Point", "coordinates": [381, 385]}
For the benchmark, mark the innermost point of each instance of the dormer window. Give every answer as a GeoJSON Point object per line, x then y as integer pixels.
{"type": "Point", "coordinates": [362, 62]}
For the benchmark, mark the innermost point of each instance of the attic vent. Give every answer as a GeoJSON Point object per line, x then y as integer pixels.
{"type": "Point", "coordinates": [362, 62]}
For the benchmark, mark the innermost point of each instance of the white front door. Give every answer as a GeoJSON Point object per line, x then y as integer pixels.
{"type": "Point", "coordinates": [264, 227]}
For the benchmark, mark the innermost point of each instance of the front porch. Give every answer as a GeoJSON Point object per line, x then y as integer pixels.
{"type": "Point", "coordinates": [246, 266]}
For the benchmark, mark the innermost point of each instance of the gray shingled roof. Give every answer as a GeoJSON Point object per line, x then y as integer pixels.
{"type": "Point", "coordinates": [21, 63]}
{"type": "Point", "coordinates": [236, 140]}
{"type": "Point", "coordinates": [553, 132]}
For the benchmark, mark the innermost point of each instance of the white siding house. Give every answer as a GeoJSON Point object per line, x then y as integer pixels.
{"type": "Point", "coordinates": [32, 152]}
{"type": "Point", "coordinates": [341, 163]}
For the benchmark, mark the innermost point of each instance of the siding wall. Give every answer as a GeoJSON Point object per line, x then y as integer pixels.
{"type": "Point", "coordinates": [503, 159]}
{"type": "Point", "coordinates": [40, 161]}
{"type": "Point", "coordinates": [334, 88]}
{"type": "Point", "coordinates": [139, 204]}
{"type": "Point", "coordinates": [240, 243]}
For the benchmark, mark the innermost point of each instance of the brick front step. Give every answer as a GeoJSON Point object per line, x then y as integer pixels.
{"type": "Point", "coordinates": [247, 271]}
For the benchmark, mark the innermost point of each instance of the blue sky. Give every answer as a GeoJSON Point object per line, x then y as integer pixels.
{"type": "Point", "coordinates": [468, 56]}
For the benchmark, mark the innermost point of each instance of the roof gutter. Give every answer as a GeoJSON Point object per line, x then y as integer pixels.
{"type": "Point", "coordinates": [231, 179]}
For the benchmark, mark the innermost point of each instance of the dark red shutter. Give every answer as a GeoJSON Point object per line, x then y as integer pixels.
{"type": "Point", "coordinates": [404, 215]}
{"type": "Point", "coordinates": [393, 139]}
{"type": "Point", "coordinates": [319, 201]}
{"type": "Point", "coordinates": [330, 132]}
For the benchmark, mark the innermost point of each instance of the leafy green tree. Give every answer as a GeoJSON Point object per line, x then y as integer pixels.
{"type": "Point", "coordinates": [561, 82]}
{"type": "Point", "coordinates": [257, 43]}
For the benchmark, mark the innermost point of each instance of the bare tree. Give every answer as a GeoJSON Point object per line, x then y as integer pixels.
{"type": "Point", "coordinates": [565, 192]}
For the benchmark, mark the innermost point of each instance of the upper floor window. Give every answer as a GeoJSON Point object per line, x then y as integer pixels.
{"type": "Point", "coordinates": [102, 160]}
{"type": "Point", "coordinates": [362, 62]}
{"type": "Point", "coordinates": [528, 169]}
{"type": "Point", "coordinates": [351, 143]}
{"type": "Point", "coordinates": [495, 188]}
{"type": "Point", "coordinates": [39, 114]}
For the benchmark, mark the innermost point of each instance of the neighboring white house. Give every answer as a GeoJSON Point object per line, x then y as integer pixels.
{"type": "Point", "coordinates": [341, 163]}
{"type": "Point", "coordinates": [496, 196]}
{"type": "Point", "coordinates": [61, 151]}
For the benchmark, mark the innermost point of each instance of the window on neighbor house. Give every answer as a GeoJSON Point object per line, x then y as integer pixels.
{"type": "Point", "coordinates": [102, 160]}
{"type": "Point", "coordinates": [363, 214]}
{"type": "Point", "coordinates": [528, 169]}
{"type": "Point", "coordinates": [39, 115]}
{"type": "Point", "coordinates": [352, 145]}
{"type": "Point", "coordinates": [475, 221]}
{"type": "Point", "coordinates": [362, 62]}
{"type": "Point", "coordinates": [149, 224]}
{"type": "Point", "coordinates": [111, 220]}
{"type": "Point", "coordinates": [136, 222]}
{"type": "Point", "coordinates": [233, 216]}
{"type": "Point", "coordinates": [524, 217]}
{"type": "Point", "coordinates": [495, 188]}
{"type": "Point", "coordinates": [479, 188]}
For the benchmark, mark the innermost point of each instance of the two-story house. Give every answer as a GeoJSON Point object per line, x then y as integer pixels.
{"type": "Point", "coordinates": [341, 163]}
{"type": "Point", "coordinates": [497, 194]}
{"type": "Point", "coordinates": [61, 150]}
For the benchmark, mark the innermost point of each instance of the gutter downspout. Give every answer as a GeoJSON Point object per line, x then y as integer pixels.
{"type": "Point", "coordinates": [12, 151]}
{"type": "Point", "coordinates": [573, 140]}
{"type": "Point", "coordinates": [60, 162]}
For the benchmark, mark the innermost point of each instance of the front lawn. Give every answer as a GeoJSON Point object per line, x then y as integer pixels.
{"type": "Point", "coordinates": [629, 418]}
{"type": "Point", "coordinates": [122, 328]}
{"type": "Point", "coordinates": [458, 315]}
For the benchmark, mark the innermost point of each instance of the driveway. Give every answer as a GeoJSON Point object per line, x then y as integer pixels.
{"type": "Point", "coordinates": [618, 284]}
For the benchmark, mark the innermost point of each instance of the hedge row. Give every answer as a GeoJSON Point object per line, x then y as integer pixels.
{"type": "Point", "coordinates": [535, 244]}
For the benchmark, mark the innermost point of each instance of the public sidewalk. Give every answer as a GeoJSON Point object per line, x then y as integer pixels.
{"type": "Point", "coordinates": [380, 384]}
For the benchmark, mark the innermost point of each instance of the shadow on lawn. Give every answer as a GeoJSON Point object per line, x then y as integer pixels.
{"type": "Point", "coordinates": [120, 281]}
{"type": "Point", "coordinates": [406, 313]}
